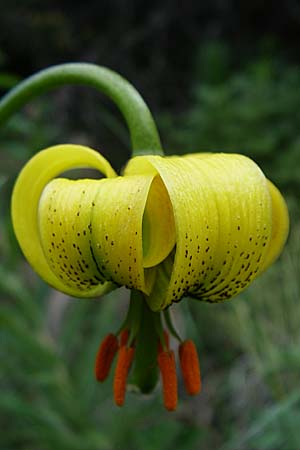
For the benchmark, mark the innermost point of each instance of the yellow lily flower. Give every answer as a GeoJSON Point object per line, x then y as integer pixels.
{"type": "Point", "coordinates": [201, 226]}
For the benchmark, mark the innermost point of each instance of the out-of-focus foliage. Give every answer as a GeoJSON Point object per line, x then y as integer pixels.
{"type": "Point", "coordinates": [254, 111]}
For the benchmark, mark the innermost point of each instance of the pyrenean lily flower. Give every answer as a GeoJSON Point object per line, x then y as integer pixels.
{"type": "Point", "coordinates": [202, 226]}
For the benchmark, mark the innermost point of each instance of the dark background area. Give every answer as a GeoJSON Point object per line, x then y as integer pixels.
{"type": "Point", "coordinates": [154, 44]}
{"type": "Point", "coordinates": [218, 76]}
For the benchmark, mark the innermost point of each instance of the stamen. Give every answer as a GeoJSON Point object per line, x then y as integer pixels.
{"type": "Point", "coordinates": [105, 356]}
{"type": "Point", "coordinates": [125, 357]}
{"type": "Point", "coordinates": [190, 367]}
{"type": "Point", "coordinates": [167, 366]}
{"type": "Point", "coordinates": [124, 336]}
{"type": "Point", "coordinates": [164, 345]}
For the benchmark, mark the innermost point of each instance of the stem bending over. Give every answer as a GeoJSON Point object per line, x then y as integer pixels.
{"type": "Point", "coordinates": [143, 131]}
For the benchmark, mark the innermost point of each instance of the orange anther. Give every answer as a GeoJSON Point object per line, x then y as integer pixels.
{"type": "Point", "coordinates": [125, 357]}
{"type": "Point", "coordinates": [167, 342]}
{"type": "Point", "coordinates": [190, 367]}
{"type": "Point", "coordinates": [124, 335]}
{"type": "Point", "coordinates": [167, 366]}
{"type": "Point", "coordinates": [105, 356]}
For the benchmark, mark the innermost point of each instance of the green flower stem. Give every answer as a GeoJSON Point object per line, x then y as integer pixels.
{"type": "Point", "coordinates": [143, 131]}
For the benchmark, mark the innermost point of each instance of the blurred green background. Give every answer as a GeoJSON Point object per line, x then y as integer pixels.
{"type": "Point", "coordinates": [221, 76]}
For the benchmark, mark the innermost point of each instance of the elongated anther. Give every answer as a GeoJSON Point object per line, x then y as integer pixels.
{"type": "Point", "coordinates": [190, 367]}
{"type": "Point", "coordinates": [167, 367]}
{"type": "Point", "coordinates": [125, 357]}
{"type": "Point", "coordinates": [105, 356]}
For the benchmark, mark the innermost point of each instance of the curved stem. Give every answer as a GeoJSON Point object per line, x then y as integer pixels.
{"type": "Point", "coordinates": [143, 132]}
